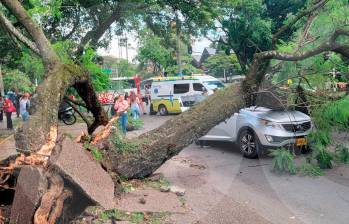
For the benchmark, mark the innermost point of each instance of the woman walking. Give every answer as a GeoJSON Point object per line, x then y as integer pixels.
{"type": "Point", "coordinates": [9, 108]}
{"type": "Point", "coordinates": [24, 105]}
{"type": "Point", "coordinates": [121, 106]}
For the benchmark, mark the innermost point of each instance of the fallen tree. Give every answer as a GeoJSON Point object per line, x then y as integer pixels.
{"type": "Point", "coordinates": [39, 137]}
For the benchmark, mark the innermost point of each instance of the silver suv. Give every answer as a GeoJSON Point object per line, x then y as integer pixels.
{"type": "Point", "coordinates": [256, 129]}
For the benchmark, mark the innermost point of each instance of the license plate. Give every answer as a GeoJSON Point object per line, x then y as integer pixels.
{"type": "Point", "coordinates": [301, 141]}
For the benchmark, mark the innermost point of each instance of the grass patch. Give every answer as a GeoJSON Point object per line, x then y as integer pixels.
{"type": "Point", "coordinates": [122, 144]}
{"type": "Point", "coordinates": [283, 161]}
{"type": "Point", "coordinates": [323, 157]}
{"type": "Point", "coordinates": [132, 217]}
{"type": "Point", "coordinates": [342, 154]}
{"type": "Point", "coordinates": [136, 123]}
{"type": "Point", "coordinates": [308, 169]}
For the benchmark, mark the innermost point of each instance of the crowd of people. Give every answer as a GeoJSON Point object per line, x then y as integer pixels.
{"type": "Point", "coordinates": [14, 102]}
{"type": "Point", "coordinates": [128, 102]}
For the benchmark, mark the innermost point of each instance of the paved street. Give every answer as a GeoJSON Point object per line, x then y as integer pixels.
{"type": "Point", "coordinates": [223, 187]}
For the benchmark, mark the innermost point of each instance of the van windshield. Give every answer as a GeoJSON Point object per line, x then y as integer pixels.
{"type": "Point", "coordinates": [214, 84]}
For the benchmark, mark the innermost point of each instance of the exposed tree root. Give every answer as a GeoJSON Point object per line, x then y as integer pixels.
{"type": "Point", "coordinates": [51, 205]}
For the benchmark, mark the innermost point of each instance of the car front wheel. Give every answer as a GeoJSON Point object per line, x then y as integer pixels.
{"type": "Point", "coordinates": [163, 110]}
{"type": "Point", "coordinates": [249, 144]}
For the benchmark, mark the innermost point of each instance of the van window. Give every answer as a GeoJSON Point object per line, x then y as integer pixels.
{"type": "Point", "coordinates": [180, 88]}
{"type": "Point", "coordinates": [198, 87]}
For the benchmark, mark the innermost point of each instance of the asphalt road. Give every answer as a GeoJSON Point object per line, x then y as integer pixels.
{"type": "Point", "coordinates": [223, 187]}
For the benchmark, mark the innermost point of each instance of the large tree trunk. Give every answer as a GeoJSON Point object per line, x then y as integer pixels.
{"type": "Point", "coordinates": [159, 145]}
{"type": "Point", "coordinates": [41, 129]}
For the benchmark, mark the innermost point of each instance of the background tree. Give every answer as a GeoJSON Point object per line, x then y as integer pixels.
{"type": "Point", "coordinates": [222, 63]}
{"type": "Point", "coordinates": [249, 25]}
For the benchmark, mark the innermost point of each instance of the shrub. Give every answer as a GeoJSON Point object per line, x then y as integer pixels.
{"type": "Point", "coordinates": [308, 169]}
{"type": "Point", "coordinates": [342, 154]}
{"type": "Point", "coordinates": [135, 123]}
{"type": "Point", "coordinates": [283, 161]}
{"type": "Point", "coordinates": [323, 157]}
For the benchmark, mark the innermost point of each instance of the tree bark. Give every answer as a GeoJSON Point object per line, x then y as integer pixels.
{"type": "Point", "coordinates": [47, 53]}
{"type": "Point", "coordinates": [159, 145]}
{"type": "Point", "coordinates": [6, 24]}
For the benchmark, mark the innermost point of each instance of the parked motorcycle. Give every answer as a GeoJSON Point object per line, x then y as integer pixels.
{"type": "Point", "coordinates": [66, 114]}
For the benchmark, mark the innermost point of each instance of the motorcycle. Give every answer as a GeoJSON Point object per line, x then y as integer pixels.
{"type": "Point", "coordinates": [66, 114]}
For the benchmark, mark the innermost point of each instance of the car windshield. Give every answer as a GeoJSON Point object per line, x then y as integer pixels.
{"type": "Point", "coordinates": [214, 84]}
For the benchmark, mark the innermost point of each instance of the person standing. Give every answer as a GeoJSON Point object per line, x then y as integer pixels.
{"type": "Point", "coordinates": [1, 111]}
{"type": "Point", "coordinates": [121, 106]}
{"type": "Point", "coordinates": [134, 102]}
{"type": "Point", "coordinates": [8, 108]}
{"type": "Point", "coordinates": [16, 102]}
{"type": "Point", "coordinates": [24, 105]}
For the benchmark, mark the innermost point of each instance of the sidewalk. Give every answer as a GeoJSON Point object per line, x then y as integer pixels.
{"type": "Point", "coordinates": [7, 141]}
{"type": "Point", "coordinates": [7, 147]}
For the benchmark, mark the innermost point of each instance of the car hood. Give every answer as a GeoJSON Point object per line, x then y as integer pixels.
{"type": "Point", "coordinates": [280, 116]}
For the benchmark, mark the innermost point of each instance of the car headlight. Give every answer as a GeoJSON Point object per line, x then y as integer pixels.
{"type": "Point", "coordinates": [268, 123]}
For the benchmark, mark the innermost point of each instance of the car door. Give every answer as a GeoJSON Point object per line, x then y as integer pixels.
{"type": "Point", "coordinates": [224, 131]}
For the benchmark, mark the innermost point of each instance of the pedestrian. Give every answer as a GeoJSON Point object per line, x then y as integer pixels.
{"type": "Point", "coordinates": [121, 106]}
{"type": "Point", "coordinates": [127, 97]}
{"type": "Point", "coordinates": [24, 105]}
{"type": "Point", "coordinates": [134, 103]}
{"type": "Point", "coordinates": [112, 110]}
{"type": "Point", "coordinates": [18, 96]}
{"type": "Point", "coordinates": [9, 108]}
{"type": "Point", "coordinates": [141, 104]}
{"type": "Point", "coordinates": [1, 111]}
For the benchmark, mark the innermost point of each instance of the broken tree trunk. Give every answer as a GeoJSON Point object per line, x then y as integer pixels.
{"type": "Point", "coordinates": [159, 145]}
{"type": "Point", "coordinates": [41, 129]}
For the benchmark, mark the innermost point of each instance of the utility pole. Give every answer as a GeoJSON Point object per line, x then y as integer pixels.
{"type": "Point", "coordinates": [178, 41]}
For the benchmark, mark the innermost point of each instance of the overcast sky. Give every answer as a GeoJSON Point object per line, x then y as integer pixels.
{"type": "Point", "coordinates": [114, 50]}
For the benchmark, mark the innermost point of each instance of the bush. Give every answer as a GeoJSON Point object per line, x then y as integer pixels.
{"type": "Point", "coordinates": [342, 154]}
{"type": "Point", "coordinates": [323, 157]}
{"type": "Point", "coordinates": [15, 79]}
{"type": "Point", "coordinates": [135, 123]}
{"type": "Point", "coordinates": [308, 169]}
{"type": "Point", "coordinates": [283, 161]}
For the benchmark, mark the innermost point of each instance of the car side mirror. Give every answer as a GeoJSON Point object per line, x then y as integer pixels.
{"type": "Point", "coordinates": [203, 89]}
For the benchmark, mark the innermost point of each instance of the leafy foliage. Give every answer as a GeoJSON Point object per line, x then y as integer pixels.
{"type": "Point", "coordinates": [283, 161]}
{"type": "Point", "coordinates": [331, 115]}
{"type": "Point", "coordinates": [135, 123]}
{"type": "Point", "coordinates": [121, 144]}
{"type": "Point", "coordinates": [99, 80]}
{"type": "Point", "coordinates": [342, 154]}
{"type": "Point", "coordinates": [221, 62]}
{"type": "Point", "coordinates": [308, 169]}
{"type": "Point", "coordinates": [324, 158]}
{"type": "Point", "coordinates": [16, 80]}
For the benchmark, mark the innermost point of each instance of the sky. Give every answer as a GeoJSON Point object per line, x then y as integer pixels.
{"type": "Point", "coordinates": [113, 49]}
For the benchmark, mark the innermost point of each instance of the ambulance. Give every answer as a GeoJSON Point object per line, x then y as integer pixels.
{"type": "Point", "coordinates": [173, 95]}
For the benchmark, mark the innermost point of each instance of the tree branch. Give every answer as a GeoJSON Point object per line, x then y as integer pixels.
{"type": "Point", "coordinates": [94, 35]}
{"type": "Point", "coordinates": [6, 24]}
{"type": "Point", "coordinates": [47, 53]}
{"type": "Point", "coordinates": [88, 123]}
{"type": "Point", "coordinates": [297, 18]}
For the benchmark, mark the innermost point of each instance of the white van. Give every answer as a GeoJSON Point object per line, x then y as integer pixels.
{"type": "Point", "coordinates": [177, 94]}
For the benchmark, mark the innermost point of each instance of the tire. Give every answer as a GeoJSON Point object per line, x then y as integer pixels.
{"type": "Point", "coordinates": [162, 110]}
{"type": "Point", "coordinates": [69, 120]}
{"type": "Point", "coordinates": [152, 112]}
{"type": "Point", "coordinates": [249, 144]}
